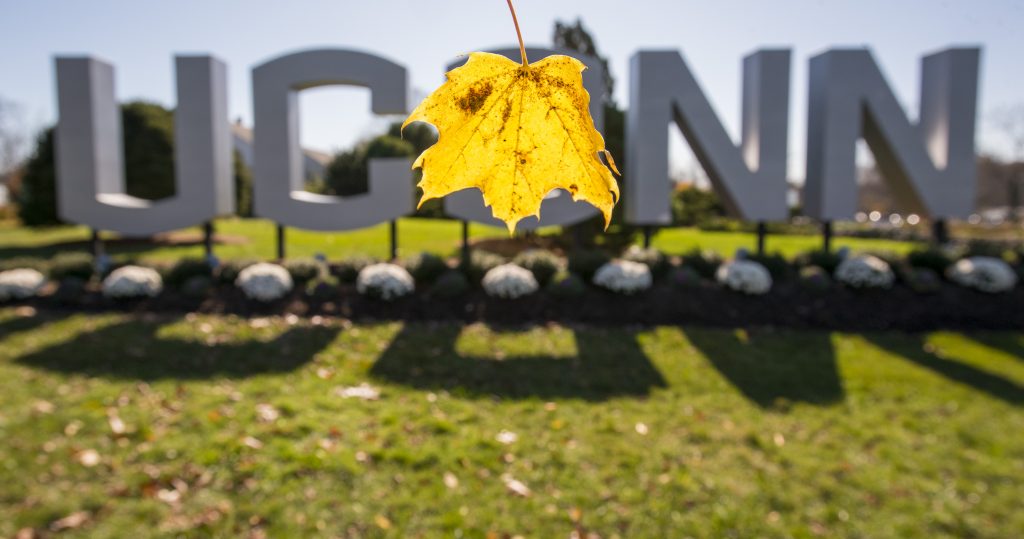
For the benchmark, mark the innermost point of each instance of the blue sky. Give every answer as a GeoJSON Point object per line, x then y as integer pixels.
{"type": "Point", "coordinates": [140, 38]}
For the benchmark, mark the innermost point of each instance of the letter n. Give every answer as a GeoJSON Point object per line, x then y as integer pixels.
{"type": "Point", "coordinates": [750, 179]}
{"type": "Point", "coordinates": [930, 165]}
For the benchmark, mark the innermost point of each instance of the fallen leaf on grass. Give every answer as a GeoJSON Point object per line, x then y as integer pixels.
{"type": "Point", "coordinates": [362, 391]}
{"type": "Point", "coordinates": [252, 443]}
{"type": "Point", "coordinates": [88, 458]}
{"type": "Point", "coordinates": [382, 522]}
{"type": "Point", "coordinates": [116, 425]}
{"type": "Point", "coordinates": [324, 373]}
{"type": "Point", "coordinates": [168, 495]}
{"type": "Point", "coordinates": [43, 407]}
{"type": "Point", "coordinates": [779, 439]}
{"type": "Point", "coordinates": [516, 486]}
{"type": "Point", "coordinates": [507, 437]}
{"type": "Point", "coordinates": [70, 522]}
{"type": "Point", "coordinates": [266, 413]}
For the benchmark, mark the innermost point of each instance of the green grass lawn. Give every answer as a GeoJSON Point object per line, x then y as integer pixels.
{"type": "Point", "coordinates": [257, 238]}
{"type": "Point", "coordinates": [114, 426]}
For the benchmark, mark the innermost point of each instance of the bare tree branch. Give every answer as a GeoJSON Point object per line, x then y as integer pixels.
{"type": "Point", "coordinates": [1008, 120]}
{"type": "Point", "coordinates": [12, 135]}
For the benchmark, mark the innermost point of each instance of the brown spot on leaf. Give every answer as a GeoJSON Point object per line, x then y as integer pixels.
{"type": "Point", "coordinates": [473, 100]}
{"type": "Point", "coordinates": [507, 112]}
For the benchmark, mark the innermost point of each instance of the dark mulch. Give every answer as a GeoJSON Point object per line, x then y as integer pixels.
{"type": "Point", "coordinates": [788, 305]}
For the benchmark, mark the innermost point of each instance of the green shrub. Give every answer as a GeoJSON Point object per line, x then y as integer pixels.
{"type": "Point", "coordinates": [542, 263]}
{"type": "Point", "coordinates": [186, 268]}
{"type": "Point", "coordinates": [347, 270]}
{"type": "Point", "coordinates": [775, 263]}
{"type": "Point", "coordinates": [480, 262]}
{"type": "Point", "coordinates": [24, 262]}
{"type": "Point", "coordinates": [148, 142]}
{"type": "Point", "coordinates": [815, 278]}
{"type": "Point", "coordinates": [931, 258]}
{"type": "Point", "coordinates": [922, 280]}
{"type": "Point", "coordinates": [450, 284]}
{"type": "Point", "coordinates": [566, 285]}
{"type": "Point", "coordinates": [425, 268]}
{"type": "Point", "coordinates": [196, 286]}
{"type": "Point", "coordinates": [654, 259]}
{"type": "Point", "coordinates": [73, 264]}
{"type": "Point", "coordinates": [69, 290]}
{"type": "Point", "coordinates": [684, 277]}
{"type": "Point", "coordinates": [826, 260]}
{"type": "Point", "coordinates": [228, 270]}
{"type": "Point", "coordinates": [322, 287]}
{"type": "Point", "coordinates": [304, 270]}
{"type": "Point", "coordinates": [705, 263]}
{"type": "Point", "coordinates": [585, 262]}
{"type": "Point", "coordinates": [980, 247]}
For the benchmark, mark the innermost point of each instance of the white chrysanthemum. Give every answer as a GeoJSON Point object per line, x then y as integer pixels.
{"type": "Point", "coordinates": [385, 281]}
{"type": "Point", "coordinates": [983, 273]}
{"type": "Point", "coordinates": [509, 281]}
{"type": "Point", "coordinates": [745, 276]}
{"type": "Point", "coordinates": [624, 276]}
{"type": "Point", "coordinates": [132, 282]}
{"type": "Point", "coordinates": [865, 271]}
{"type": "Point", "coordinates": [20, 283]}
{"type": "Point", "coordinates": [264, 282]}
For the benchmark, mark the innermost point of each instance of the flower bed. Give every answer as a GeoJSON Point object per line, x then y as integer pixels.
{"type": "Point", "coordinates": [983, 273]}
{"type": "Point", "coordinates": [264, 282]}
{"type": "Point", "coordinates": [385, 281]}
{"type": "Point", "coordinates": [130, 282]}
{"type": "Point", "coordinates": [20, 283]}
{"type": "Point", "coordinates": [509, 281]}
{"type": "Point", "coordinates": [624, 277]}
{"type": "Point", "coordinates": [745, 276]}
{"type": "Point", "coordinates": [865, 271]}
{"type": "Point", "coordinates": [681, 295]}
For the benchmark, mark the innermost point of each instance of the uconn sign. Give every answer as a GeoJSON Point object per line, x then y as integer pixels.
{"type": "Point", "coordinates": [929, 163]}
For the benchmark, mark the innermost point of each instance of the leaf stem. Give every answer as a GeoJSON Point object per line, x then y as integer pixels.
{"type": "Point", "coordinates": [515, 21]}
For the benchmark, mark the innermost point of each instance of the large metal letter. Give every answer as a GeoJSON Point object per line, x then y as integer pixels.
{"type": "Point", "coordinates": [751, 179]}
{"type": "Point", "coordinates": [558, 208]}
{"type": "Point", "coordinates": [930, 166]}
{"type": "Point", "coordinates": [278, 178]}
{"type": "Point", "coordinates": [90, 162]}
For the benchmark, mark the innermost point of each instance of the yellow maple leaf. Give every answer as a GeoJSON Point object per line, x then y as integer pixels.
{"type": "Point", "coordinates": [516, 132]}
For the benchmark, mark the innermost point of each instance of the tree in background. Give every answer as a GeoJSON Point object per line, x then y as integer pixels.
{"type": "Point", "coordinates": [148, 150]}
{"type": "Point", "coordinates": [348, 173]}
{"type": "Point", "coordinates": [37, 194]}
{"type": "Point", "coordinates": [1009, 121]}
{"type": "Point", "coordinates": [12, 136]}
{"type": "Point", "coordinates": [692, 206]}
{"type": "Point", "coordinates": [575, 37]}
{"type": "Point", "coordinates": [243, 186]}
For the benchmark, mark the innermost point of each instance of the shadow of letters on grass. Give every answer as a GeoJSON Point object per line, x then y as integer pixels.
{"type": "Point", "coordinates": [606, 365]}
{"type": "Point", "coordinates": [134, 350]}
{"type": "Point", "coordinates": [771, 369]}
{"type": "Point", "coordinates": [913, 348]}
